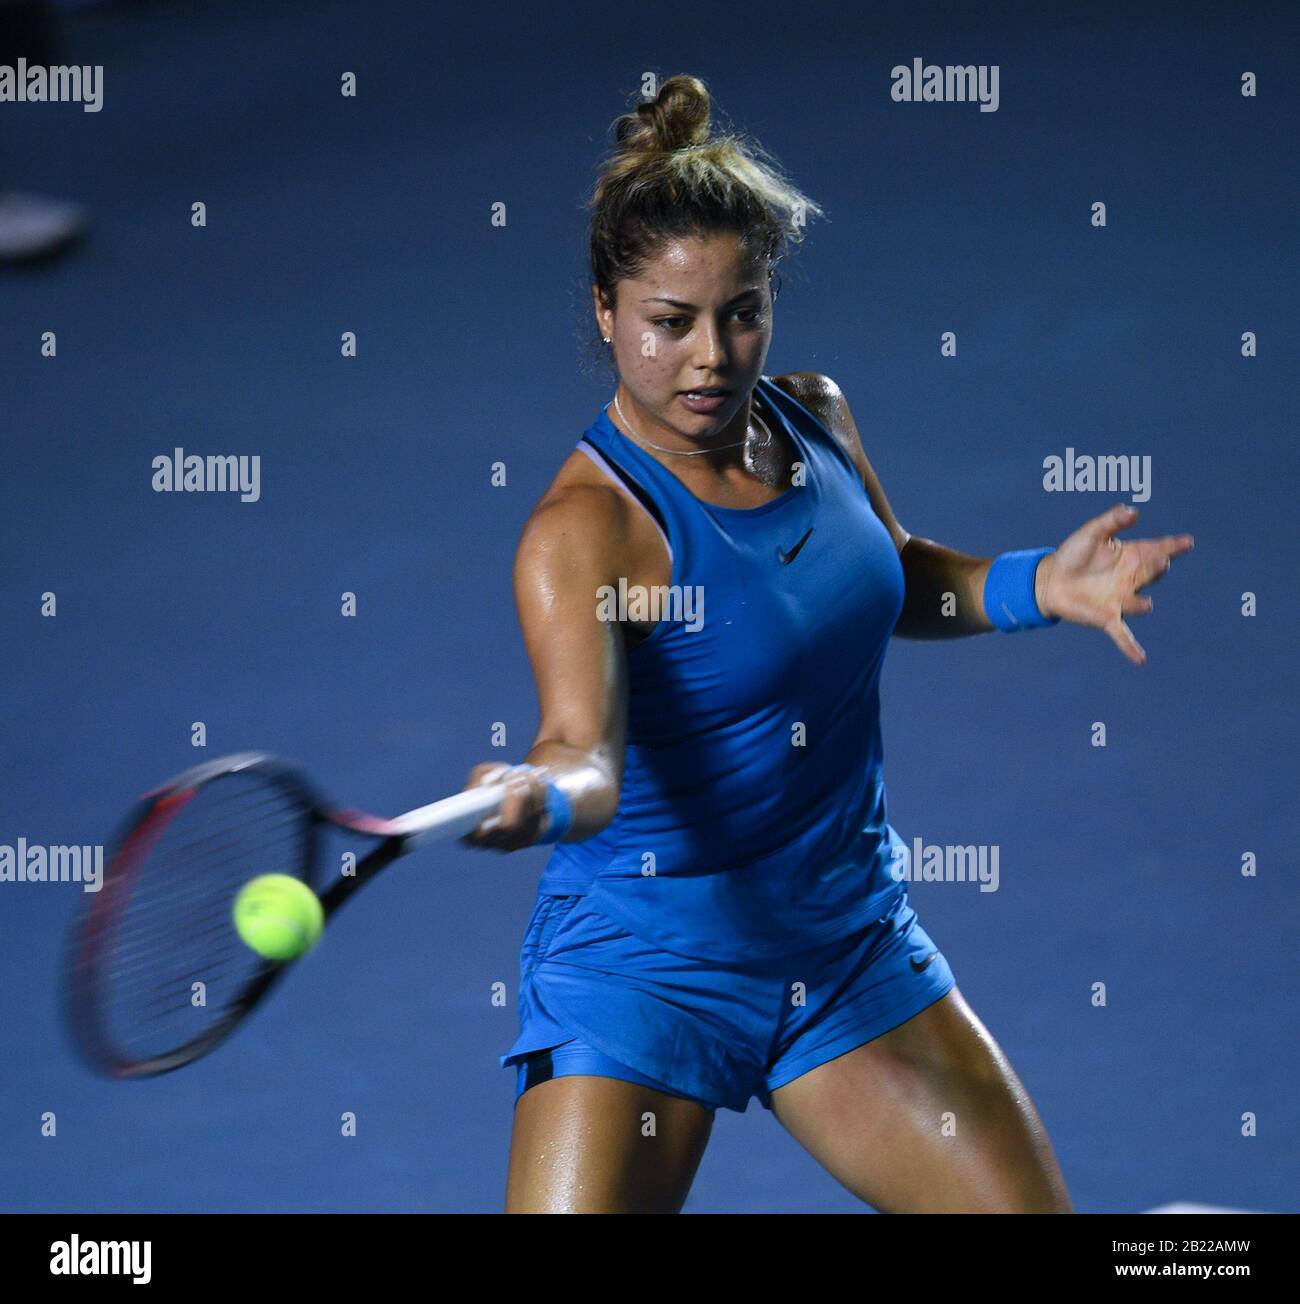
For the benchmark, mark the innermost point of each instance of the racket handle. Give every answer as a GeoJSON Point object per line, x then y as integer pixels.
{"type": "Point", "coordinates": [452, 817]}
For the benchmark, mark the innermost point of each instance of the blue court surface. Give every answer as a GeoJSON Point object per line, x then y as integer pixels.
{"type": "Point", "coordinates": [1120, 866]}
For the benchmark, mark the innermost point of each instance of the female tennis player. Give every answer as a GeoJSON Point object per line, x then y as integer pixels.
{"type": "Point", "coordinates": [707, 590]}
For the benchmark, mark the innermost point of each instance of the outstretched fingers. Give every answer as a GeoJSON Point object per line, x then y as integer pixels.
{"type": "Point", "coordinates": [1123, 639]}
{"type": "Point", "coordinates": [1155, 556]}
{"type": "Point", "coordinates": [1100, 528]}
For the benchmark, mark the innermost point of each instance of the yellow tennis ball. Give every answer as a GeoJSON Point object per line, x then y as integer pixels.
{"type": "Point", "coordinates": [279, 916]}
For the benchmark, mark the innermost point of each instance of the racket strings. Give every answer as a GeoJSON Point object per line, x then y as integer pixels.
{"type": "Point", "coordinates": [168, 923]}
{"type": "Point", "coordinates": [177, 867]}
{"type": "Point", "coordinates": [141, 973]}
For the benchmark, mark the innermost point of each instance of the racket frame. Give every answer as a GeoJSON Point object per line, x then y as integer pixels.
{"type": "Point", "coordinates": [451, 817]}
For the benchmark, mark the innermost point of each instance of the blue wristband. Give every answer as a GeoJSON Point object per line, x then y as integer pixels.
{"type": "Point", "coordinates": [559, 809]}
{"type": "Point", "coordinates": [1009, 591]}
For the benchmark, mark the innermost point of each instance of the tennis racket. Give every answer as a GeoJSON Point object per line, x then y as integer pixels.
{"type": "Point", "coordinates": [157, 974]}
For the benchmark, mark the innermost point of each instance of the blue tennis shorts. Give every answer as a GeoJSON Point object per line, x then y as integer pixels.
{"type": "Point", "coordinates": [594, 999]}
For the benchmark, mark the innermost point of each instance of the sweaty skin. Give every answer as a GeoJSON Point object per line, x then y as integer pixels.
{"type": "Point", "coordinates": [699, 316]}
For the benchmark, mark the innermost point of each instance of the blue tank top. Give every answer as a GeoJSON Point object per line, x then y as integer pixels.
{"type": "Point", "coordinates": [752, 819]}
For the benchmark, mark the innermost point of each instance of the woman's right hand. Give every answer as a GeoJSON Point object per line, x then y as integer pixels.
{"type": "Point", "coordinates": [522, 817]}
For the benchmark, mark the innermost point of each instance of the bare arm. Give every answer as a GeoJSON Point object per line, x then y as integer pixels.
{"type": "Point", "coordinates": [945, 592]}
{"type": "Point", "coordinates": [1092, 578]}
{"type": "Point", "coordinates": [570, 546]}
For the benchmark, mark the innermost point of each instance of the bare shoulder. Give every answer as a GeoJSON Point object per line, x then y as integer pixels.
{"type": "Point", "coordinates": [579, 502]}
{"type": "Point", "coordinates": [825, 400]}
{"type": "Point", "coordinates": [581, 520]}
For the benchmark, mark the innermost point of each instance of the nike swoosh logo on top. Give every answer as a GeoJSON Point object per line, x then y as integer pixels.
{"type": "Point", "coordinates": [788, 557]}
{"type": "Point", "coordinates": [924, 964]}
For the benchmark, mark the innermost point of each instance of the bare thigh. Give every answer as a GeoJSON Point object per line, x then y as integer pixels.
{"type": "Point", "coordinates": [586, 1144]}
{"type": "Point", "coordinates": [928, 1118]}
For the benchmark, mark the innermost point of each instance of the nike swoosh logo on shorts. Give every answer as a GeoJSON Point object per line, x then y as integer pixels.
{"type": "Point", "coordinates": [788, 557]}
{"type": "Point", "coordinates": [923, 964]}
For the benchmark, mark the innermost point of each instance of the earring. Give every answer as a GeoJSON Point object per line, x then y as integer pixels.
{"type": "Point", "coordinates": [605, 338]}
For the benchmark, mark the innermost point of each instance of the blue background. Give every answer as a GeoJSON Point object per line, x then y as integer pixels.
{"type": "Point", "coordinates": [1119, 865]}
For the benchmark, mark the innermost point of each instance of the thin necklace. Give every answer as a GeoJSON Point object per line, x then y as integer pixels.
{"type": "Point", "coordinates": [695, 452]}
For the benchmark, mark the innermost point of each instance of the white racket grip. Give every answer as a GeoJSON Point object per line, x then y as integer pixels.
{"type": "Point", "coordinates": [452, 817]}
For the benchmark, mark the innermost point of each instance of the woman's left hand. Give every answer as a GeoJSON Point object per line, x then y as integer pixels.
{"type": "Point", "coordinates": [1093, 577]}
